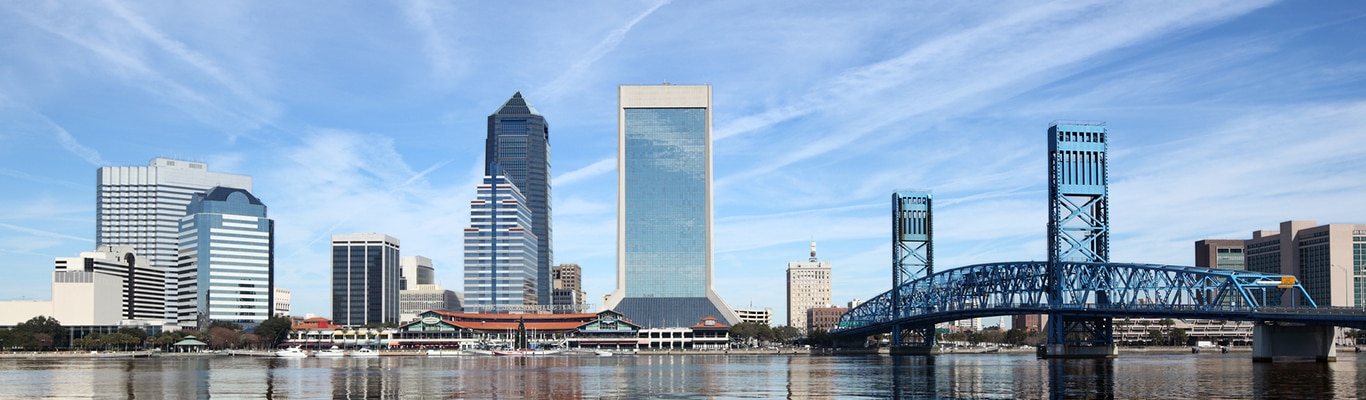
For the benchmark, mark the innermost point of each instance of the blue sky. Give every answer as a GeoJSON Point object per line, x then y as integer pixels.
{"type": "Point", "coordinates": [1224, 118]}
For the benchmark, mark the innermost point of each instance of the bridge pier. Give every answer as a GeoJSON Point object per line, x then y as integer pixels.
{"type": "Point", "coordinates": [1270, 342]}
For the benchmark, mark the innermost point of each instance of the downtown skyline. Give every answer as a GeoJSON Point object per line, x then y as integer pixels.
{"type": "Point", "coordinates": [1224, 118]}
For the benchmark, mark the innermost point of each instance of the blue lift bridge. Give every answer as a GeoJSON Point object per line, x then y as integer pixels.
{"type": "Point", "coordinates": [1078, 288]}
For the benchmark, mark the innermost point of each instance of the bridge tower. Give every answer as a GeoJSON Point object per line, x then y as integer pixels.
{"type": "Point", "coordinates": [1078, 231]}
{"type": "Point", "coordinates": [912, 257]}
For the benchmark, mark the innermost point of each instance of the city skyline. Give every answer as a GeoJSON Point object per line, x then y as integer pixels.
{"type": "Point", "coordinates": [1223, 117]}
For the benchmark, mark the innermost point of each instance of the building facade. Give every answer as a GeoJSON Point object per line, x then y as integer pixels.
{"type": "Point", "coordinates": [808, 286]}
{"type": "Point", "coordinates": [142, 206]}
{"type": "Point", "coordinates": [416, 270]}
{"type": "Point", "coordinates": [664, 207]}
{"type": "Point", "coordinates": [227, 260]}
{"type": "Point", "coordinates": [761, 316]}
{"type": "Point", "coordinates": [365, 279]}
{"type": "Point", "coordinates": [568, 289]}
{"type": "Point", "coordinates": [518, 144]}
{"type": "Point", "coordinates": [422, 298]}
{"type": "Point", "coordinates": [1327, 259]}
{"type": "Point", "coordinates": [1219, 254]}
{"type": "Point", "coordinates": [824, 318]}
{"type": "Point", "coordinates": [281, 308]}
{"type": "Point", "coordinates": [142, 292]}
{"type": "Point", "coordinates": [500, 251]}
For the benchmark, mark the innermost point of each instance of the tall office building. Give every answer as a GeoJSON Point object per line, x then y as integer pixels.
{"type": "Point", "coordinates": [1328, 259]}
{"type": "Point", "coordinates": [365, 279]}
{"type": "Point", "coordinates": [500, 250]}
{"type": "Point", "coordinates": [227, 260]}
{"type": "Point", "coordinates": [519, 143]}
{"type": "Point", "coordinates": [142, 289]}
{"type": "Point", "coordinates": [142, 207]}
{"type": "Point", "coordinates": [664, 207]}
{"type": "Point", "coordinates": [568, 295]}
{"type": "Point", "coordinates": [808, 286]}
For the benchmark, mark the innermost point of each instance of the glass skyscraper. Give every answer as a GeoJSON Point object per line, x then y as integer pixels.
{"type": "Point", "coordinates": [664, 208]}
{"type": "Point", "coordinates": [227, 260]}
{"type": "Point", "coordinates": [519, 144]}
{"type": "Point", "coordinates": [365, 279]}
{"type": "Point", "coordinates": [500, 251]}
{"type": "Point", "coordinates": [141, 206]}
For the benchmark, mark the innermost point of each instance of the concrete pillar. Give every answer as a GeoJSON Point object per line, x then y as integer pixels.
{"type": "Point", "coordinates": [1292, 341]}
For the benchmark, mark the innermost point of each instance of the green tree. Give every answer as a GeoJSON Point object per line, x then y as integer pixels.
{"type": "Point", "coordinates": [232, 326]}
{"type": "Point", "coordinates": [273, 331]}
{"type": "Point", "coordinates": [1016, 337]}
{"type": "Point", "coordinates": [46, 332]}
{"type": "Point", "coordinates": [787, 333]}
{"type": "Point", "coordinates": [1177, 336]}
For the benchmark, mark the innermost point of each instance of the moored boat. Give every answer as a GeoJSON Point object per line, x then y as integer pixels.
{"type": "Point", "coordinates": [364, 352]}
{"type": "Point", "coordinates": [332, 352]}
{"type": "Point", "coordinates": [292, 352]}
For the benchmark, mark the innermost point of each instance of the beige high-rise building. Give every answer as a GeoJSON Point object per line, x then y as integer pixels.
{"type": "Point", "coordinates": [808, 286]}
{"type": "Point", "coordinates": [1327, 259]}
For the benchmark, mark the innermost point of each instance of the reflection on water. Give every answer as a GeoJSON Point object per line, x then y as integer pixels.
{"type": "Point", "coordinates": [719, 376]}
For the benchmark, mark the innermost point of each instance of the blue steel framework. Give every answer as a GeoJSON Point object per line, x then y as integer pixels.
{"type": "Point", "coordinates": [912, 252]}
{"type": "Point", "coordinates": [1078, 221]}
{"type": "Point", "coordinates": [1089, 290]}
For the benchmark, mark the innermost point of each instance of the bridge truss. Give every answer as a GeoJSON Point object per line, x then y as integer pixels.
{"type": "Point", "coordinates": [1087, 291]}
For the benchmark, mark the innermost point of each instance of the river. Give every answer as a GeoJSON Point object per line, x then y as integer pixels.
{"type": "Point", "coordinates": [1132, 376]}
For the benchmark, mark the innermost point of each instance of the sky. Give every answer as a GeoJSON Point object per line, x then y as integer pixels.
{"type": "Point", "coordinates": [1224, 117]}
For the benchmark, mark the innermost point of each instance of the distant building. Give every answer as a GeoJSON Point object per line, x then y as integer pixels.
{"type": "Point", "coordinates": [79, 298]}
{"type": "Point", "coordinates": [140, 207]}
{"type": "Point", "coordinates": [824, 318]}
{"type": "Point", "coordinates": [761, 316]}
{"type": "Point", "coordinates": [855, 303]}
{"type": "Point", "coordinates": [568, 295]}
{"type": "Point", "coordinates": [971, 324]}
{"type": "Point", "coordinates": [519, 144]}
{"type": "Point", "coordinates": [365, 279]}
{"type": "Point", "coordinates": [1219, 254]}
{"type": "Point", "coordinates": [1028, 322]}
{"type": "Point", "coordinates": [281, 303]}
{"type": "Point", "coordinates": [423, 298]}
{"type": "Point", "coordinates": [420, 292]}
{"type": "Point", "coordinates": [416, 270]}
{"type": "Point", "coordinates": [808, 286]}
{"type": "Point", "coordinates": [227, 260]}
{"type": "Point", "coordinates": [664, 212]}
{"type": "Point", "coordinates": [142, 287]}
{"type": "Point", "coordinates": [500, 278]}
{"type": "Point", "coordinates": [1327, 259]}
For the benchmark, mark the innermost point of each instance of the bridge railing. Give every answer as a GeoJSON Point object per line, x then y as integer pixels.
{"type": "Point", "coordinates": [1026, 287]}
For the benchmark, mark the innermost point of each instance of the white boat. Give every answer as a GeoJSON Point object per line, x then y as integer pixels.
{"type": "Point", "coordinates": [602, 353]}
{"type": "Point", "coordinates": [292, 352]}
{"type": "Point", "coordinates": [332, 352]}
{"type": "Point", "coordinates": [444, 353]}
{"type": "Point", "coordinates": [365, 353]}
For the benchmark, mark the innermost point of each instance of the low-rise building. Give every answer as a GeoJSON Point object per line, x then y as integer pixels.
{"type": "Point", "coordinates": [761, 316]}
{"type": "Point", "coordinates": [824, 318]}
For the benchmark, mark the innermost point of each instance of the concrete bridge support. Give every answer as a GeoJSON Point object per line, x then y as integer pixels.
{"type": "Point", "coordinates": [1270, 342]}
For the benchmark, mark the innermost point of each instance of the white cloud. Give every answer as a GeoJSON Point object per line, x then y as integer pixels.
{"type": "Point", "coordinates": [574, 74]}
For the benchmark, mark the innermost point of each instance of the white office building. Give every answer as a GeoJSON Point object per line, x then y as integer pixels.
{"type": "Point", "coordinates": [142, 207]}
{"type": "Point", "coordinates": [808, 287]}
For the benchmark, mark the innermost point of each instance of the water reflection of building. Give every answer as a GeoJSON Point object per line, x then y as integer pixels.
{"type": "Point", "coordinates": [807, 382]}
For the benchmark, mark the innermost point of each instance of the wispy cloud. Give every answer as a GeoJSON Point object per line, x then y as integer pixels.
{"type": "Point", "coordinates": [590, 171]}
{"type": "Point", "coordinates": [574, 74]}
{"type": "Point", "coordinates": [21, 118]}
{"type": "Point", "coordinates": [978, 66]}
{"type": "Point", "coordinates": [43, 233]}
{"type": "Point", "coordinates": [426, 18]}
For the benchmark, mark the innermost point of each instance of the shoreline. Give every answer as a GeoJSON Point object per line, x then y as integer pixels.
{"type": "Point", "coordinates": [1155, 350]}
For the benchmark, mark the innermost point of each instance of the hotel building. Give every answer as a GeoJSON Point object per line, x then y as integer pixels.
{"type": "Point", "coordinates": [808, 286]}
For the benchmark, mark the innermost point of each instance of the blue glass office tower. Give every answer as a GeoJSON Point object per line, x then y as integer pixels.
{"type": "Point", "coordinates": [519, 142]}
{"type": "Point", "coordinates": [226, 260]}
{"type": "Point", "coordinates": [664, 208]}
{"type": "Point", "coordinates": [500, 250]}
